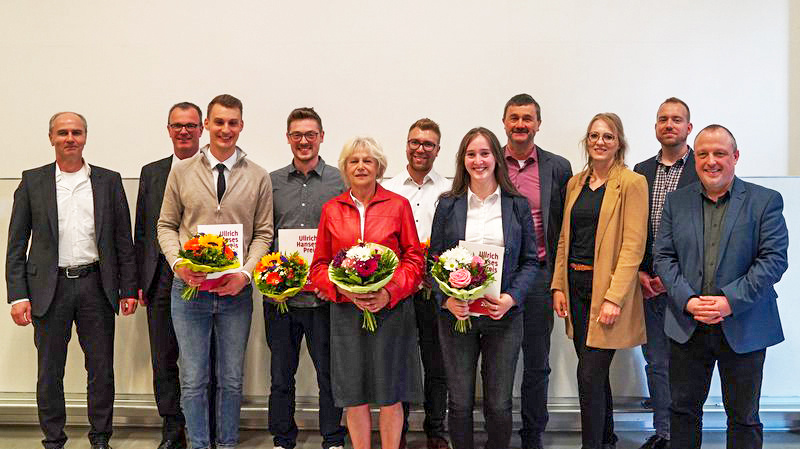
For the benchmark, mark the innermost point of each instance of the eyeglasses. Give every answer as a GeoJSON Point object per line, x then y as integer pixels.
{"type": "Point", "coordinates": [428, 146]}
{"type": "Point", "coordinates": [595, 136]}
{"type": "Point", "coordinates": [188, 126]}
{"type": "Point", "coordinates": [310, 136]}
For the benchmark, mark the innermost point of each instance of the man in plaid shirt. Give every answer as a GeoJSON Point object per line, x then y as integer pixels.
{"type": "Point", "coordinates": [670, 169]}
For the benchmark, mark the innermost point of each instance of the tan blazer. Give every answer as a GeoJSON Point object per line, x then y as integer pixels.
{"type": "Point", "coordinates": [618, 251]}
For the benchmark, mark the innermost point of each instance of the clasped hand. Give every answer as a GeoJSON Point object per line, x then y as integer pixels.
{"type": "Point", "coordinates": [372, 302]}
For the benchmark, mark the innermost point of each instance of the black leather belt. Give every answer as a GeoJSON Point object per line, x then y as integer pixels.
{"type": "Point", "coordinates": [78, 271]}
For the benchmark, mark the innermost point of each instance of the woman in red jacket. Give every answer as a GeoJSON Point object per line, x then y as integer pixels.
{"type": "Point", "coordinates": [383, 367]}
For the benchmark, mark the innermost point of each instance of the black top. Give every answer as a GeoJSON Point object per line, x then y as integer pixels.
{"type": "Point", "coordinates": [583, 224]}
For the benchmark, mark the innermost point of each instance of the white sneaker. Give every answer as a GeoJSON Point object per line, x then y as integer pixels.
{"type": "Point", "coordinates": [336, 447]}
{"type": "Point", "coordinates": [277, 447]}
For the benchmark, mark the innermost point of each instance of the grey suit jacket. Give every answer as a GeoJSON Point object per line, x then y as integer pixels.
{"type": "Point", "coordinates": [33, 273]}
{"type": "Point", "coordinates": [152, 182]}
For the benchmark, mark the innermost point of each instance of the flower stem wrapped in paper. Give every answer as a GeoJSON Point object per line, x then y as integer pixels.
{"type": "Point", "coordinates": [206, 253]}
{"type": "Point", "coordinates": [363, 268]}
{"type": "Point", "coordinates": [280, 277]}
{"type": "Point", "coordinates": [463, 276]}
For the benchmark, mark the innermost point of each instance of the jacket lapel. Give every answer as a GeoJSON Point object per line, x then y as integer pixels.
{"type": "Point", "coordinates": [696, 217]}
{"type": "Point", "coordinates": [608, 206]}
{"type": "Point", "coordinates": [460, 217]}
{"type": "Point", "coordinates": [738, 194]}
{"type": "Point", "coordinates": [51, 202]}
{"type": "Point", "coordinates": [545, 186]}
{"type": "Point", "coordinates": [99, 196]}
{"type": "Point", "coordinates": [506, 209]}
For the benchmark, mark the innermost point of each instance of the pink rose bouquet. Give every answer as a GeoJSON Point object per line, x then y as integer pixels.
{"type": "Point", "coordinates": [463, 276]}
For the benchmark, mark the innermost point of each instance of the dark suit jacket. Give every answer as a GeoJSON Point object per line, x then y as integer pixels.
{"type": "Point", "coordinates": [152, 182]}
{"type": "Point", "coordinates": [33, 273]}
{"type": "Point", "coordinates": [648, 170]}
{"type": "Point", "coordinates": [752, 258]}
{"type": "Point", "coordinates": [519, 260]}
{"type": "Point", "coordinates": [554, 173]}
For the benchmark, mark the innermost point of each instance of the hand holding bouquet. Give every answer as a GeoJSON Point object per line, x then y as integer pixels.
{"type": "Point", "coordinates": [363, 268]}
{"type": "Point", "coordinates": [280, 277]}
{"type": "Point", "coordinates": [462, 276]}
{"type": "Point", "coordinates": [206, 253]}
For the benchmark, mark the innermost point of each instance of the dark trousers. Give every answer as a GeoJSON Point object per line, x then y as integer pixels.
{"type": "Point", "coordinates": [537, 327]}
{"type": "Point", "coordinates": [690, 369]}
{"type": "Point", "coordinates": [164, 354]}
{"type": "Point", "coordinates": [656, 354]}
{"type": "Point", "coordinates": [83, 302]}
{"type": "Point", "coordinates": [594, 388]}
{"type": "Point", "coordinates": [434, 381]}
{"type": "Point", "coordinates": [284, 337]}
{"type": "Point", "coordinates": [497, 343]}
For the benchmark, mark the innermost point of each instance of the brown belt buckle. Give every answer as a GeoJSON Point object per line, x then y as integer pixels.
{"type": "Point", "coordinates": [580, 267]}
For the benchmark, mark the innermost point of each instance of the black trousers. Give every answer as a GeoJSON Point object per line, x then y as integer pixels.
{"type": "Point", "coordinates": [434, 383]}
{"type": "Point", "coordinates": [164, 355]}
{"type": "Point", "coordinates": [690, 370]}
{"type": "Point", "coordinates": [83, 302]}
{"type": "Point", "coordinates": [537, 327]}
{"type": "Point", "coordinates": [594, 388]}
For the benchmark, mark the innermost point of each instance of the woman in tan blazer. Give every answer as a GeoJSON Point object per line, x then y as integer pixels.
{"type": "Point", "coordinates": [595, 282]}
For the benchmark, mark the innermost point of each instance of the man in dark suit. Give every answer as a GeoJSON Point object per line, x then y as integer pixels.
{"type": "Point", "coordinates": [670, 169]}
{"type": "Point", "coordinates": [720, 250]}
{"type": "Point", "coordinates": [184, 125]}
{"type": "Point", "coordinates": [80, 267]}
{"type": "Point", "coordinates": [542, 178]}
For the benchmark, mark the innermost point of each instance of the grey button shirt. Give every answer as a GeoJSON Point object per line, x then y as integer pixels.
{"type": "Point", "coordinates": [713, 220]}
{"type": "Point", "coordinates": [297, 203]}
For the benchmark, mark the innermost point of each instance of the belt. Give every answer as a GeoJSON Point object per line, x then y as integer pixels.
{"type": "Point", "coordinates": [78, 271]}
{"type": "Point", "coordinates": [580, 267]}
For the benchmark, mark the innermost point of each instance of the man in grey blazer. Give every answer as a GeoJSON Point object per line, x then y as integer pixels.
{"type": "Point", "coordinates": [541, 177]}
{"type": "Point", "coordinates": [185, 126]}
{"type": "Point", "coordinates": [80, 268]}
{"type": "Point", "coordinates": [721, 249]}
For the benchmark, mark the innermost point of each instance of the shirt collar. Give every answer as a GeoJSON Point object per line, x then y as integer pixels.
{"type": "Point", "coordinates": [533, 157]}
{"type": "Point", "coordinates": [680, 162]}
{"type": "Point", "coordinates": [431, 177]}
{"type": "Point", "coordinates": [473, 199]}
{"type": "Point", "coordinates": [229, 163]}
{"type": "Point", "coordinates": [86, 169]}
{"type": "Point", "coordinates": [318, 169]}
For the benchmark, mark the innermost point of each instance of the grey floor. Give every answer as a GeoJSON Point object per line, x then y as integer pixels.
{"type": "Point", "coordinates": [28, 437]}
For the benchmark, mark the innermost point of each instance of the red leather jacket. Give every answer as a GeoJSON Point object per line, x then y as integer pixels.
{"type": "Point", "coordinates": [389, 222]}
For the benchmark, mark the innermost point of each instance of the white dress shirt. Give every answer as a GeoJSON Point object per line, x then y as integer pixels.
{"type": "Point", "coordinates": [76, 233]}
{"type": "Point", "coordinates": [228, 163]}
{"type": "Point", "coordinates": [362, 210]}
{"type": "Point", "coordinates": [484, 219]}
{"type": "Point", "coordinates": [423, 198]}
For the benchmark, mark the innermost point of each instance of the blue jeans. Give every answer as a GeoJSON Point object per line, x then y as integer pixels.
{"type": "Point", "coordinates": [497, 343]}
{"type": "Point", "coordinates": [537, 327]}
{"type": "Point", "coordinates": [193, 320]}
{"type": "Point", "coordinates": [284, 336]}
{"type": "Point", "coordinates": [656, 353]}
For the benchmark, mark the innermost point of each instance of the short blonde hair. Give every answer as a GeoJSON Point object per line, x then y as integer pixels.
{"type": "Point", "coordinates": [367, 144]}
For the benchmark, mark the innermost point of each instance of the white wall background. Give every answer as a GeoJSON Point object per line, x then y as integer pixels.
{"type": "Point", "coordinates": [375, 67]}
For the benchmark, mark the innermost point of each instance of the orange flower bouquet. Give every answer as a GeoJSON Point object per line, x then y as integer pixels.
{"type": "Point", "coordinates": [206, 253]}
{"type": "Point", "coordinates": [280, 277]}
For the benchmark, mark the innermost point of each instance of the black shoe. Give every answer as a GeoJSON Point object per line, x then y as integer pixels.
{"type": "Point", "coordinates": [656, 442]}
{"type": "Point", "coordinates": [100, 446]}
{"type": "Point", "coordinates": [173, 444]}
{"type": "Point", "coordinates": [647, 403]}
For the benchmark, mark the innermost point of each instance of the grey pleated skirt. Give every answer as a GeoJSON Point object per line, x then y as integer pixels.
{"type": "Point", "coordinates": [380, 368]}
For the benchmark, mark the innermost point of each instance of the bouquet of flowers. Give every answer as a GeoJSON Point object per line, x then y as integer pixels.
{"type": "Point", "coordinates": [363, 268]}
{"type": "Point", "coordinates": [207, 253]}
{"type": "Point", "coordinates": [280, 277]}
{"type": "Point", "coordinates": [463, 276]}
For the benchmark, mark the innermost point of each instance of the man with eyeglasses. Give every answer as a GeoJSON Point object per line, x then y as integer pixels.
{"type": "Point", "coordinates": [299, 190]}
{"type": "Point", "coordinates": [184, 126]}
{"type": "Point", "coordinates": [421, 186]}
{"type": "Point", "coordinates": [541, 177]}
{"type": "Point", "coordinates": [667, 171]}
{"type": "Point", "coordinates": [218, 185]}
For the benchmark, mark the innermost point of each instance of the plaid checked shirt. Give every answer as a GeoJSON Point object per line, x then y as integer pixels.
{"type": "Point", "coordinates": [667, 177]}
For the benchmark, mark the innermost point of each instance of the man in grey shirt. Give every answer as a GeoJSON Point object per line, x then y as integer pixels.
{"type": "Point", "coordinates": [299, 191]}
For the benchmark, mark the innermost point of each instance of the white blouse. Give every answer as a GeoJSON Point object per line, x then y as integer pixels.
{"type": "Point", "coordinates": [484, 219]}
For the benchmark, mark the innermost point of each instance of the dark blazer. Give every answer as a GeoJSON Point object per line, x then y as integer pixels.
{"type": "Point", "coordinates": [33, 273]}
{"type": "Point", "coordinates": [752, 258]}
{"type": "Point", "coordinates": [554, 173]}
{"type": "Point", "coordinates": [519, 260]}
{"type": "Point", "coordinates": [152, 182]}
{"type": "Point", "coordinates": [648, 168]}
